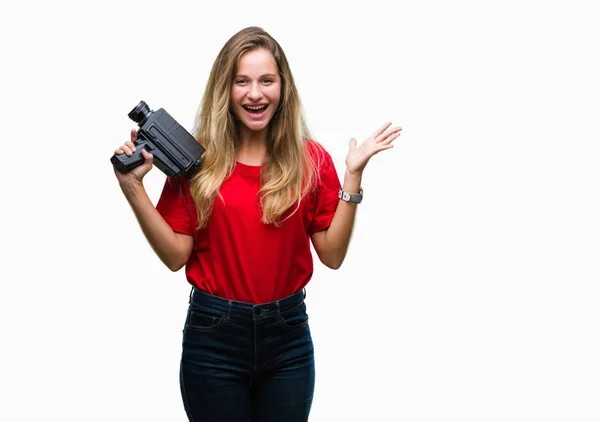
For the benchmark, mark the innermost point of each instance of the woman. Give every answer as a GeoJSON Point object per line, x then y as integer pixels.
{"type": "Point", "coordinates": [242, 226]}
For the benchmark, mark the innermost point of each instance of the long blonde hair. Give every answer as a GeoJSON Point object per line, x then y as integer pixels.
{"type": "Point", "coordinates": [289, 172]}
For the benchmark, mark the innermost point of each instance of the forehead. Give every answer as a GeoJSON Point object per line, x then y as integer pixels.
{"type": "Point", "coordinates": [257, 61]}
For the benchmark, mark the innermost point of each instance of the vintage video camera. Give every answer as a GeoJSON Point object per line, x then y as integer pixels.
{"type": "Point", "coordinates": [175, 150]}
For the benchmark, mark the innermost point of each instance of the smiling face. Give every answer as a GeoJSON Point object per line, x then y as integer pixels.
{"type": "Point", "coordinates": [256, 91]}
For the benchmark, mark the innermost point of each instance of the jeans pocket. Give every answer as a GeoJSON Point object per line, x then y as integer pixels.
{"type": "Point", "coordinates": [295, 317]}
{"type": "Point", "coordinates": [203, 319]}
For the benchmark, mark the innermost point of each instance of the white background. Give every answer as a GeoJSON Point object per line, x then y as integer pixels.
{"type": "Point", "coordinates": [470, 292]}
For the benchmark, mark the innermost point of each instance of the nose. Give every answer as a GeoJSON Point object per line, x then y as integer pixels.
{"type": "Point", "coordinates": [254, 93]}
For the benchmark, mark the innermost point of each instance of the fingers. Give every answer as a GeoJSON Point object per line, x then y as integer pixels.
{"type": "Point", "coordinates": [389, 135]}
{"type": "Point", "coordinates": [128, 149]}
{"type": "Point", "coordinates": [384, 132]}
{"type": "Point", "coordinates": [383, 147]}
{"type": "Point", "coordinates": [381, 129]}
{"type": "Point", "coordinates": [129, 146]}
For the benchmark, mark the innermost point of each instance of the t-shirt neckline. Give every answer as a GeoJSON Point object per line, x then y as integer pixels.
{"type": "Point", "coordinates": [247, 170]}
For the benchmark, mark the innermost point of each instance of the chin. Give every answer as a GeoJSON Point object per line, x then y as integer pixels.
{"type": "Point", "coordinates": [255, 126]}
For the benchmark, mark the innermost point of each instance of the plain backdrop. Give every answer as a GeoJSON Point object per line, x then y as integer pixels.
{"type": "Point", "coordinates": [471, 288]}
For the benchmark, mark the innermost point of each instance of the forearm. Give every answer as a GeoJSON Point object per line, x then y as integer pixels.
{"type": "Point", "coordinates": [164, 241]}
{"type": "Point", "coordinates": [337, 236]}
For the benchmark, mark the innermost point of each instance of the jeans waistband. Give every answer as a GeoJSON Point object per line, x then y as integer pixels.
{"type": "Point", "coordinates": [244, 309]}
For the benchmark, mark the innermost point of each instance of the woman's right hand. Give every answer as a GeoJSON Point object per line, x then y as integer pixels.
{"type": "Point", "coordinates": [136, 174]}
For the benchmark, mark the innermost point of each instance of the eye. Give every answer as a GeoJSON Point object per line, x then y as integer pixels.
{"type": "Point", "coordinates": [240, 81]}
{"type": "Point", "coordinates": [268, 81]}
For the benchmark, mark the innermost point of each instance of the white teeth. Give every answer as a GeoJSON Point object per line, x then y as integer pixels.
{"type": "Point", "coordinates": [255, 108]}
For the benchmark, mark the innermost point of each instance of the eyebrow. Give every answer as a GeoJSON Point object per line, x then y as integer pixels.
{"type": "Point", "coordinates": [270, 75]}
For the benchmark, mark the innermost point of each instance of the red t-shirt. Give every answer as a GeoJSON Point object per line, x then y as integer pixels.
{"type": "Point", "coordinates": [235, 255]}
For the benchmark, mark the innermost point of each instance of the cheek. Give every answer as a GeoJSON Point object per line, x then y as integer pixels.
{"type": "Point", "coordinates": [275, 95]}
{"type": "Point", "coordinates": [236, 96]}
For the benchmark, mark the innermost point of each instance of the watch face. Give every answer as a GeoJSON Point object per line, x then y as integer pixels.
{"type": "Point", "coordinates": [351, 197]}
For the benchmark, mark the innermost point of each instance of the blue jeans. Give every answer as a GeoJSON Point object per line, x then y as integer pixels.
{"type": "Point", "coordinates": [244, 362]}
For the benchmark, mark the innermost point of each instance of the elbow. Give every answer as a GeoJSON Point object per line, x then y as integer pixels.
{"type": "Point", "coordinates": [175, 255]}
{"type": "Point", "coordinates": [175, 264]}
{"type": "Point", "coordinates": [333, 263]}
{"type": "Point", "coordinates": [174, 267]}
{"type": "Point", "coordinates": [335, 266]}
{"type": "Point", "coordinates": [331, 252]}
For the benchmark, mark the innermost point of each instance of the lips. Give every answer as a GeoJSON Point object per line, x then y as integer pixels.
{"type": "Point", "coordinates": [255, 112]}
{"type": "Point", "coordinates": [255, 109]}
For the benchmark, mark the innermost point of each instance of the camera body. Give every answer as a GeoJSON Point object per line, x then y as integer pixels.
{"type": "Point", "coordinates": [174, 149]}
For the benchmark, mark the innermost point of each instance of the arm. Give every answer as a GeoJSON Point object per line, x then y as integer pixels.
{"type": "Point", "coordinates": [332, 243]}
{"type": "Point", "coordinates": [172, 248]}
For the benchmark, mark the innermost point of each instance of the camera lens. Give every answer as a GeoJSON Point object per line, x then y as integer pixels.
{"type": "Point", "coordinates": [140, 113]}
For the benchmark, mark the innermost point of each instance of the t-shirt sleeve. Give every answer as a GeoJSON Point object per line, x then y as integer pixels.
{"type": "Point", "coordinates": [173, 205]}
{"type": "Point", "coordinates": [327, 193]}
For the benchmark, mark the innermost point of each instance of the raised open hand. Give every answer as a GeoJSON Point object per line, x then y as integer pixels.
{"type": "Point", "coordinates": [382, 139]}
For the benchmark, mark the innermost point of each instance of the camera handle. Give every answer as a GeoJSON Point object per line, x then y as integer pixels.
{"type": "Point", "coordinates": [124, 163]}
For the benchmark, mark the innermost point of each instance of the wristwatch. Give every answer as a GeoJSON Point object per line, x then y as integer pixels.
{"type": "Point", "coordinates": [351, 197]}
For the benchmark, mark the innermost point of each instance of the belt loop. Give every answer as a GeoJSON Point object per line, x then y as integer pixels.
{"type": "Point", "coordinates": [304, 290]}
{"type": "Point", "coordinates": [191, 291]}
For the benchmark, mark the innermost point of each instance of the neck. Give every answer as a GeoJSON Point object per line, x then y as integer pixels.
{"type": "Point", "coordinates": [252, 147]}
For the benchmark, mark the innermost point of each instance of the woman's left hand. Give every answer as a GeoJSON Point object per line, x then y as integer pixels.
{"type": "Point", "coordinates": [382, 139]}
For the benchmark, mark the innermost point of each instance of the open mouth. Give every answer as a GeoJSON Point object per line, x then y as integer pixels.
{"type": "Point", "coordinates": [256, 110]}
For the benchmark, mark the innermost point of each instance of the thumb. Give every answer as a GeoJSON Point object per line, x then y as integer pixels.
{"type": "Point", "coordinates": [149, 158]}
{"type": "Point", "coordinates": [352, 144]}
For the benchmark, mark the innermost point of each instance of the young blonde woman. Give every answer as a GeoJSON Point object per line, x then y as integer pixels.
{"type": "Point", "coordinates": [242, 226]}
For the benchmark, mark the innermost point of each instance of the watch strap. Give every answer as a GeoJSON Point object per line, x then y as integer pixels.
{"type": "Point", "coordinates": [351, 197]}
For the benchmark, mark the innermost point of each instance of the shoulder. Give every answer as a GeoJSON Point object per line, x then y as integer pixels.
{"type": "Point", "coordinates": [178, 185]}
{"type": "Point", "coordinates": [314, 148]}
{"type": "Point", "coordinates": [322, 163]}
{"type": "Point", "coordinates": [318, 154]}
